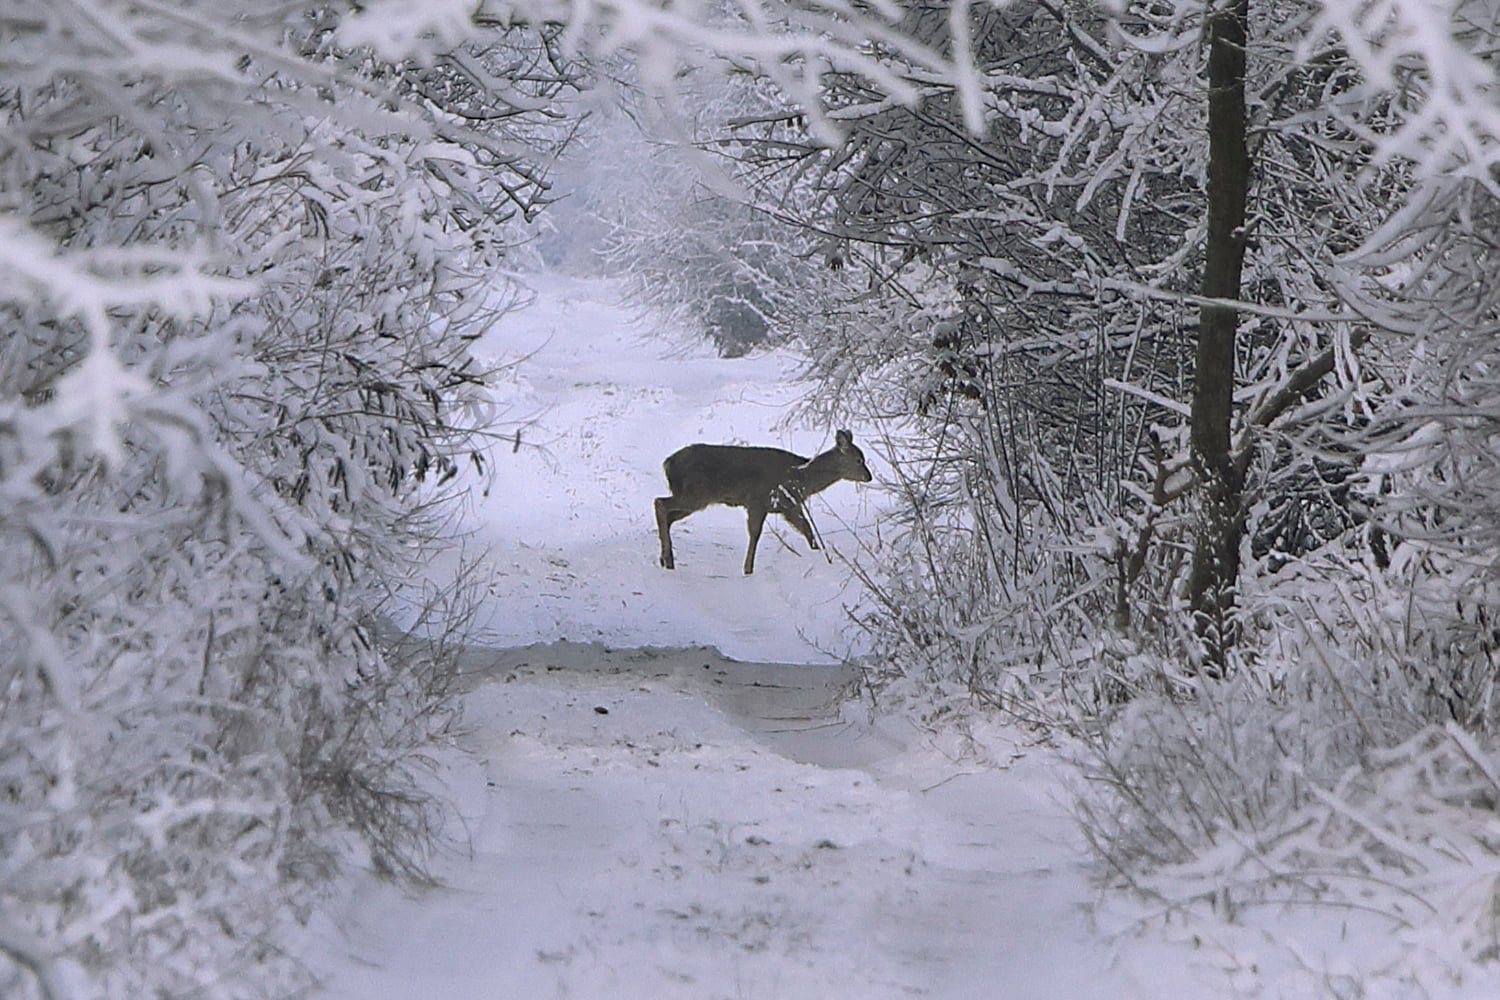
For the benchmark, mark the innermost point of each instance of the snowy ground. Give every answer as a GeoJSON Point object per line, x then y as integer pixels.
{"type": "Point", "coordinates": [567, 525]}
{"type": "Point", "coordinates": [647, 819]}
{"type": "Point", "coordinates": [665, 824]}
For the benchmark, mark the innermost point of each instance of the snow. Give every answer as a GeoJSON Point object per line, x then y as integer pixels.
{"type": "Point", "coordinates": [567, 524]}
{"type": "Point", "coordinates": [645, 818]}
{"type": "Point", "coordinates": [688, 844]}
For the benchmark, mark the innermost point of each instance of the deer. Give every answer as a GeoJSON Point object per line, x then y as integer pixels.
{"type": "Point", "coordinates": [761, 480]}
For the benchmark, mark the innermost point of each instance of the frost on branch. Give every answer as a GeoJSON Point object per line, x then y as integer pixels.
{"type": "Point", "coordinates": [793, 43]}
{"type": "Point", "coordinates": [397, 29]}
{"type": "Point", "coordinates": [1429, 66]}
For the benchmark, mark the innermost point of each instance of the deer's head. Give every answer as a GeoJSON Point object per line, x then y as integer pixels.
{"type": "Point", "coordinates": [850, 460]}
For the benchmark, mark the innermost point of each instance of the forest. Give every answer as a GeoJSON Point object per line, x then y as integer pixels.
{"type": "Point", "coordinates": [1172, 323]}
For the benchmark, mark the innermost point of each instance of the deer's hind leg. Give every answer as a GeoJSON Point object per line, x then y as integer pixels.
{"type": "Point", "coordinates": [668, 513]}
{"type": "Point", "coordinates": [755, 520]}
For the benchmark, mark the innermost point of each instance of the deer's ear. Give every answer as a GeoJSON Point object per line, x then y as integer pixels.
{"type": "Point", "coordinates": [843, 439]}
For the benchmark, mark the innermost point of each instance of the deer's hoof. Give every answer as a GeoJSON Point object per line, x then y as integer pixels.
{"type": "Point", "coordinates": [667, 564]}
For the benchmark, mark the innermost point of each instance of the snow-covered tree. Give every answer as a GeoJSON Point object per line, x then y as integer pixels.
{"type": "Point", "coordinates": [1046, 276]}
{"type": "Point", "coordinates": [242, 262]}
{"type": "Point", "coordinates": [684, 232]}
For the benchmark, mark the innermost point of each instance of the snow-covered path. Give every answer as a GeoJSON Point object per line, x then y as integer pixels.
{"type": "Point", "coordinates": [662, 822]}
{"type": "Point", "coordinates": [659, 824]}
{"type": "Point", "coordinates": [567, 524]}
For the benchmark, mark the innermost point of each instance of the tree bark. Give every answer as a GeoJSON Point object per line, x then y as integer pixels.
{"type": "Point", "coordinates": [1216, 550]}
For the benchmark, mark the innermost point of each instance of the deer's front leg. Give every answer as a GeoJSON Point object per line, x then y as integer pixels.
{"type": "Point", "coordinates": [798, 520]}
{"type": "Point", "coordinates": [755, 521]}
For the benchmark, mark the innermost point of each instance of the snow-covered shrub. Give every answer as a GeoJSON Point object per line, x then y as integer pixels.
{"type": "Point", "coordinates": [1351, 762]}
{"type": "Point", "coordinates": [1351, 759]}
{"type": "Point", "coordinates": [702, 262]}
{"type": "Point", "coordinates": [684, 233]}
{"type": "Point", "coordinates": [241, 268]}
{"type": "Point", "coordinates": [976, 593]}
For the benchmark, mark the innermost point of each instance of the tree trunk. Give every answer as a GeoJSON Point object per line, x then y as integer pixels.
{"type": "Point", "coordinates": [1216, 551]}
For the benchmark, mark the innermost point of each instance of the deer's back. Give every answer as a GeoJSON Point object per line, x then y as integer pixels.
{"type": "Point", "coordinates": [728, 474]}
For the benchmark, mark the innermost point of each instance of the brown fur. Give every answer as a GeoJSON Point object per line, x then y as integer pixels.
{"type": "Point", "coordinates": [761, 480]}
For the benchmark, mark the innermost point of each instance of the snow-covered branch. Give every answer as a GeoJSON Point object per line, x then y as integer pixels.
{"type": "Point", "coordinates": [1429, 65]}
{"type": "Point", "coordinates": [795, 43]}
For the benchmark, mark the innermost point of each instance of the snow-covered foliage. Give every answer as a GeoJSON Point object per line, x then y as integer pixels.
{"type": "Point", "coordinates": [1353, 765]}
{"type": "Point", "coordinates": [1352, 760]}
{"type": "Point", "coordinates": [686, 235]}
{"type": "Point", "coordinates": [1427, 65]}
{"type": "Point", "coordinates": [241, 265]}
{"type": "Point", "coordinates": [793, 43]}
